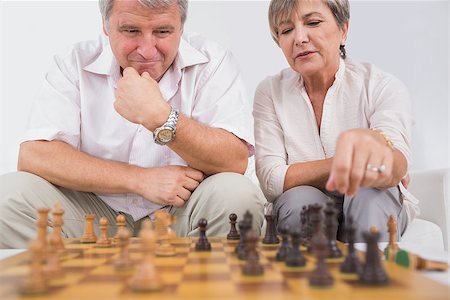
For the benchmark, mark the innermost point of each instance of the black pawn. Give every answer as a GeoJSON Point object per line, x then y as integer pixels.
{"type": "Point", "coordinates": [372, 272]}
{"type": "Point", "coordinates": [233, 234]}
{"type": "Point", "coordinates": [271, 231]}
{"type": "Point", "coordinates": [351, 264]}
{"type": "Point", "coordinates": [295, 258]}
{"type": "Point", "coordinates": [252, 266]}
{"type": "Point", "coordinates": [202, 242]}
{"type": "Point", "coordinates": [331, 224]}
{"type": "Point", "coordinates": [284, 248]}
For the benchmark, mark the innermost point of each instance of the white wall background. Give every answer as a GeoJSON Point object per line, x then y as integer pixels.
{"type": "Point", "coordinates": [406, 38]}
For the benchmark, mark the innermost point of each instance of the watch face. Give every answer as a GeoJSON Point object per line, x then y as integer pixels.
{"type": "Point", "coordinates": [165, 135]}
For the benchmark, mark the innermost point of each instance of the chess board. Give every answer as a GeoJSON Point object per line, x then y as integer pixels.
{"type": "Point", "coordinates": [90, 274]}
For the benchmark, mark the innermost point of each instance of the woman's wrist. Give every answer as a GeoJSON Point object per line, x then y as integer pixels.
{"type": "Point", "coordinates": [386, 138]}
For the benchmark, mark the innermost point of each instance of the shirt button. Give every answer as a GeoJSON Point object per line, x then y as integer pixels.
{"type": "Point", "coordinates": [134, 201]}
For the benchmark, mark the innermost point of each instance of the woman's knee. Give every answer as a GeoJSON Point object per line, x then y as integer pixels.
{"type": "Point", "coordinates": [371, 200]}
{"type": "Point", "coordinates": [297, 197]}
{"type": "Point", "coordinates": [289, 204]}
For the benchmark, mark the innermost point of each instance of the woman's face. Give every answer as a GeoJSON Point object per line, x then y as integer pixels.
{"type": "Point", "coordinates": [311, 38]}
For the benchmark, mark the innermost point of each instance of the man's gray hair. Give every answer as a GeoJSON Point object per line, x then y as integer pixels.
{"type": "Point", "coordinates": [281, 10]}
{"type": "Point", "coordinates": [107, 5]}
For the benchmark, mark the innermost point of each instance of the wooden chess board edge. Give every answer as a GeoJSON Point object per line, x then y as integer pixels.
{"type": "Point", "coordinates": [13, 260]}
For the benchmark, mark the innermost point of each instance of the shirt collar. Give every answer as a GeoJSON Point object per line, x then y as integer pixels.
{"type": "Point", "coordinates": [188, 55]}
{"type": "Point", "coordinates": [105, 61]}
{"type": "Point", "coordinates": [106, 64]}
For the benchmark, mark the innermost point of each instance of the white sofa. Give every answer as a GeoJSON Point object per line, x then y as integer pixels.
{"type": "Point", "coordinates": [431, 230]}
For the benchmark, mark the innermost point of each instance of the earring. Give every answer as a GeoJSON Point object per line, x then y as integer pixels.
{"type": "Point", "coordinates": [342, 51]}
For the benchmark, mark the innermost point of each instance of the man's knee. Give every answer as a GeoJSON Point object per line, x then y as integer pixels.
{"type": "Point", "coordinates": [15, 219]}
{"type": "Point", "coordinates": [234, 193]}
{"type": "Point", "coordinates": [13, 187]}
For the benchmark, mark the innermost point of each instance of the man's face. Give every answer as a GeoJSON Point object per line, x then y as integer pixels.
{"type": "Point", "coordinates": [143, 38]}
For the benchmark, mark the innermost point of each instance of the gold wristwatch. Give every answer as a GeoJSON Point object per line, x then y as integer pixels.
{"type": "Point", "coordinates": [166, 133]}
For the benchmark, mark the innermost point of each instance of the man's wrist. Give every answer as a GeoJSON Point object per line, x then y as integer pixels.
{"type": "Point", "coordinates": [167, 131]}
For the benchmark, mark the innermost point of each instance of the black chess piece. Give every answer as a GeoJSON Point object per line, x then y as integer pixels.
{"type": "Point", "coordinates": [271, 231]}
{"type": "Point", "coordinates": [284, 248]}
{"type": "Point", "coordinates": [241, 244]}
{"type": "Point", "coordinates": [248, 218]}
{"type": "Point", "coordinates": [244, 226]}
{"type": "Point", "coordinates": [331, 225]}
{"type": "Point", "coordinates": [320, 276]}
{"type": "Point", "coordinates": [202, 242]}
{"type": "Point", "coordinates": [295, 258]}
{"type": "Point", "coordinates": [372, 272]}
{"type": "Point", "coordinates": [315, 217]}
{"type": "Point", "coordinates": [233, 234]}
{"type": "Point", "coordinates": [304, 226]}
{"type": "Point", "coordinates": [351, 264]}
{"type": "Point", "coordinates": [252, 266]}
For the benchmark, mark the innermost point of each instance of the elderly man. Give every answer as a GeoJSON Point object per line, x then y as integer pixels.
{"type": "Point", "coordinates": [144, 118]}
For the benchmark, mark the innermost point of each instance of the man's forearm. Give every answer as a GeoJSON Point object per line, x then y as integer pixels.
{"type": "Point", "coordinates": [210, 150]}
{"type": "Point", "coordinates": [62, 165]}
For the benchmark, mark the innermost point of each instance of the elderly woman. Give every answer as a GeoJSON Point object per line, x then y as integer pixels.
{"type": "Point", "coordinates": [329, 127]}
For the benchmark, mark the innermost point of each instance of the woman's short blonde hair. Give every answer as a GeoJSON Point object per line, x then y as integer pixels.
{"type": "Point", "coordinates": [280, 10]}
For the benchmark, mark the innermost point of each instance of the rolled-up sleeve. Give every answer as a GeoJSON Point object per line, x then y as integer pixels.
{"type": "Point", "coordinates": [271, 157]}
{"type": "Point", "coordinates": [392, 113]}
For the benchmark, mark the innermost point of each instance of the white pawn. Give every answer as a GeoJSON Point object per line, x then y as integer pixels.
{"type": "Point", "coordinates": [146, 278]}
